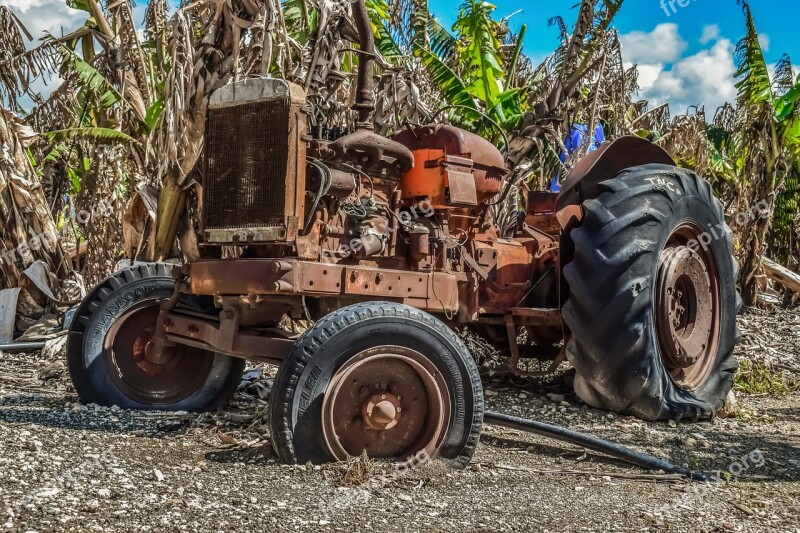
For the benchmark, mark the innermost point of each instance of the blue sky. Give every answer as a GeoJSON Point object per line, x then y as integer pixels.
{"type": "Point", "coordinates": [773, 17]}
{"type": "Point", "coordinates": [685, 54]}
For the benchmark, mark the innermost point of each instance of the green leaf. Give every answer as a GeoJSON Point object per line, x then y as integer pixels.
{"type": "Point", "coordinates": [786, 104]}
{"type": "Point", "coordinates": [479, 50]}
{"type": "Point", "coordinates": [441, 42]}
{"type": "Point", "coordinates": [91, 80]}
{"type": "Point", "coordinates": [754, 83]}
{"type": "Point", "coordinates": [299, 21]}
{"type": "Point", "coordinates": [74, 179]}
{"type": "Point", "coordinates": [82, 5]}
{"type": "Point", "coordinates": [153, 114]}
{"type": "Point", "coordinates": [452, 87]}
{"type": "Point", "coordinates": [32, 159]}
{"type": "Point", "coordinates": [105, 135]}
{"type": "Point", "coordinates": [379, 13]}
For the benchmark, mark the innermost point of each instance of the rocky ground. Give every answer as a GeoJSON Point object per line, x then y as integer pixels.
{"type": "Point", "coordinates": [65, 466]}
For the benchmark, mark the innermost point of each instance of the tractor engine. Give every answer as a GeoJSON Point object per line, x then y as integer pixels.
{"type": "Point", "coordinates": [417, 202]}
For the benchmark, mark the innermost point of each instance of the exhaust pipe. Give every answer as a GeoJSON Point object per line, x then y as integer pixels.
{"type": "Point", "coordinates": [365, 103]}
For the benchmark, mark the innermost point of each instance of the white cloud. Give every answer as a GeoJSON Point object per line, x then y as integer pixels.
{"type": "Point", "coordinates": [648, 74]}
{"type": "Point", "coordinates": [705, 78]}
{"type": "Point", "coordinates": [40, 16]}
{"type": "Point", "coordinates": [764, 40]}
{"type": "Point", "coordinates": [710, 33]}
{"type": "Point", "coordinates": [662, 45]}
{"type": "Point", "coordinates": [667, 76]}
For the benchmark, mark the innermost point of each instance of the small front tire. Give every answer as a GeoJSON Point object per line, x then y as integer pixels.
{"type": "Point", "coordinates": [378, 377]}
{"type": "Point", "coordinates": [107, 350]}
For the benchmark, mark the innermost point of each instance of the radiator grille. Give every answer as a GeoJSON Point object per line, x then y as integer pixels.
{"type": "Point", "coordinates": [247, 149]}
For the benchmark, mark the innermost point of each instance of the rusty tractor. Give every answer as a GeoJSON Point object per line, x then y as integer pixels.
{"type": "Point", "coordinates": [388, 247]}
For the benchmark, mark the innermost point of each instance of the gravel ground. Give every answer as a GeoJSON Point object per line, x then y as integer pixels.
{"type": "Point", "coordinates": [65, 466]}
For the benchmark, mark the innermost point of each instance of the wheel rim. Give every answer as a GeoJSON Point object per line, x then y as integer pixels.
{"type": "Point", "coordinates": [179, 374]}
{"type": "Point", "coordinates": [688, 307]}
{"type": "Point", "coordinates": [389, 401]}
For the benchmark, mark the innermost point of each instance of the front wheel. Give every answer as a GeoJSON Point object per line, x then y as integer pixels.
{"type": "Point", "coordinates": [108, 358]}
{"type": "Point", "coordinates": [380, 378]}
{"type": "Point", "coordinates": [652, 303]}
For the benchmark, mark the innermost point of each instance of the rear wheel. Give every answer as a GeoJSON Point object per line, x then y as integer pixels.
{"type": "Point", "coordinates": [109, 356]}
{"type": "Point", "coordinates": [380, 378]}
{"type": "Point", "coordinates": [653, 302]}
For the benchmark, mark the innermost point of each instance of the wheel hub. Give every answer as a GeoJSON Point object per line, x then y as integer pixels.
{"type": "Point", "coordinates": [382, 411]}
{"type": "Point", "coordinates": [389, 401]}
{"type": "Point", "coordinates": [687, 307]}
{"type": "Point", "coordinates": [150, 379]}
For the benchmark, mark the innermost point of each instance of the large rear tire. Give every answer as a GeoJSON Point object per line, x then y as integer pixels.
{"type": "Point", "coordinates": [652, 297]}
{"type": "Point", "coordinates": [378, 377]}
{"type": "Point", "coordinates": [106, 350]}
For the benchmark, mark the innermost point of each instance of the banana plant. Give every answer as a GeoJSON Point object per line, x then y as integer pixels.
{"type": "Point", "coordinates": [470, 71]}
{"type": "Point", "coordinates": [768, 130]}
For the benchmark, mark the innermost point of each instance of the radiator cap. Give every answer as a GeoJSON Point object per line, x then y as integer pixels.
{"type": "Point", "coordinates": [257, 90]}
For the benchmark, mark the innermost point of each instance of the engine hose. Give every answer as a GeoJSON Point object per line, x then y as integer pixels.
{"type": "Point", "coordinates": [617, 451]}
{"type": "Point", "coordinates": [324, 187]}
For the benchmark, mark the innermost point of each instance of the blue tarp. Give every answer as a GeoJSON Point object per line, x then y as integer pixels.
{"type": "Point", "coordinates": [574, 141]}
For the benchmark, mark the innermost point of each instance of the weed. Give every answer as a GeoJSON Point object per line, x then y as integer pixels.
{"type": "Point", "coordinates": [757, 378]}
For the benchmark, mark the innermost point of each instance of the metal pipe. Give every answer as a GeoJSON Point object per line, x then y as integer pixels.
{"type": "Point", "coordinates": [15, 347]}
{"type": "Point", "coordinates": [365, 103]}
{"type": "Point", "coordinates": [617, 451]}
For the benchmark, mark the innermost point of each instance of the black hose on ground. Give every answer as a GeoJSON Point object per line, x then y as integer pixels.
{"type": "Point", "coordinates": [611, 449]}
{"type": "Point", "coordinates": [21, 347]}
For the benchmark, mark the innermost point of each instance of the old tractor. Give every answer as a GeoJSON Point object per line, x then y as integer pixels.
{"type": "Point", "coordinates": [388, 247]}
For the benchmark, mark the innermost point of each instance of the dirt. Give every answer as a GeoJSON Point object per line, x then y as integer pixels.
{"type": "Point", "coordinates": [65, 466]}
